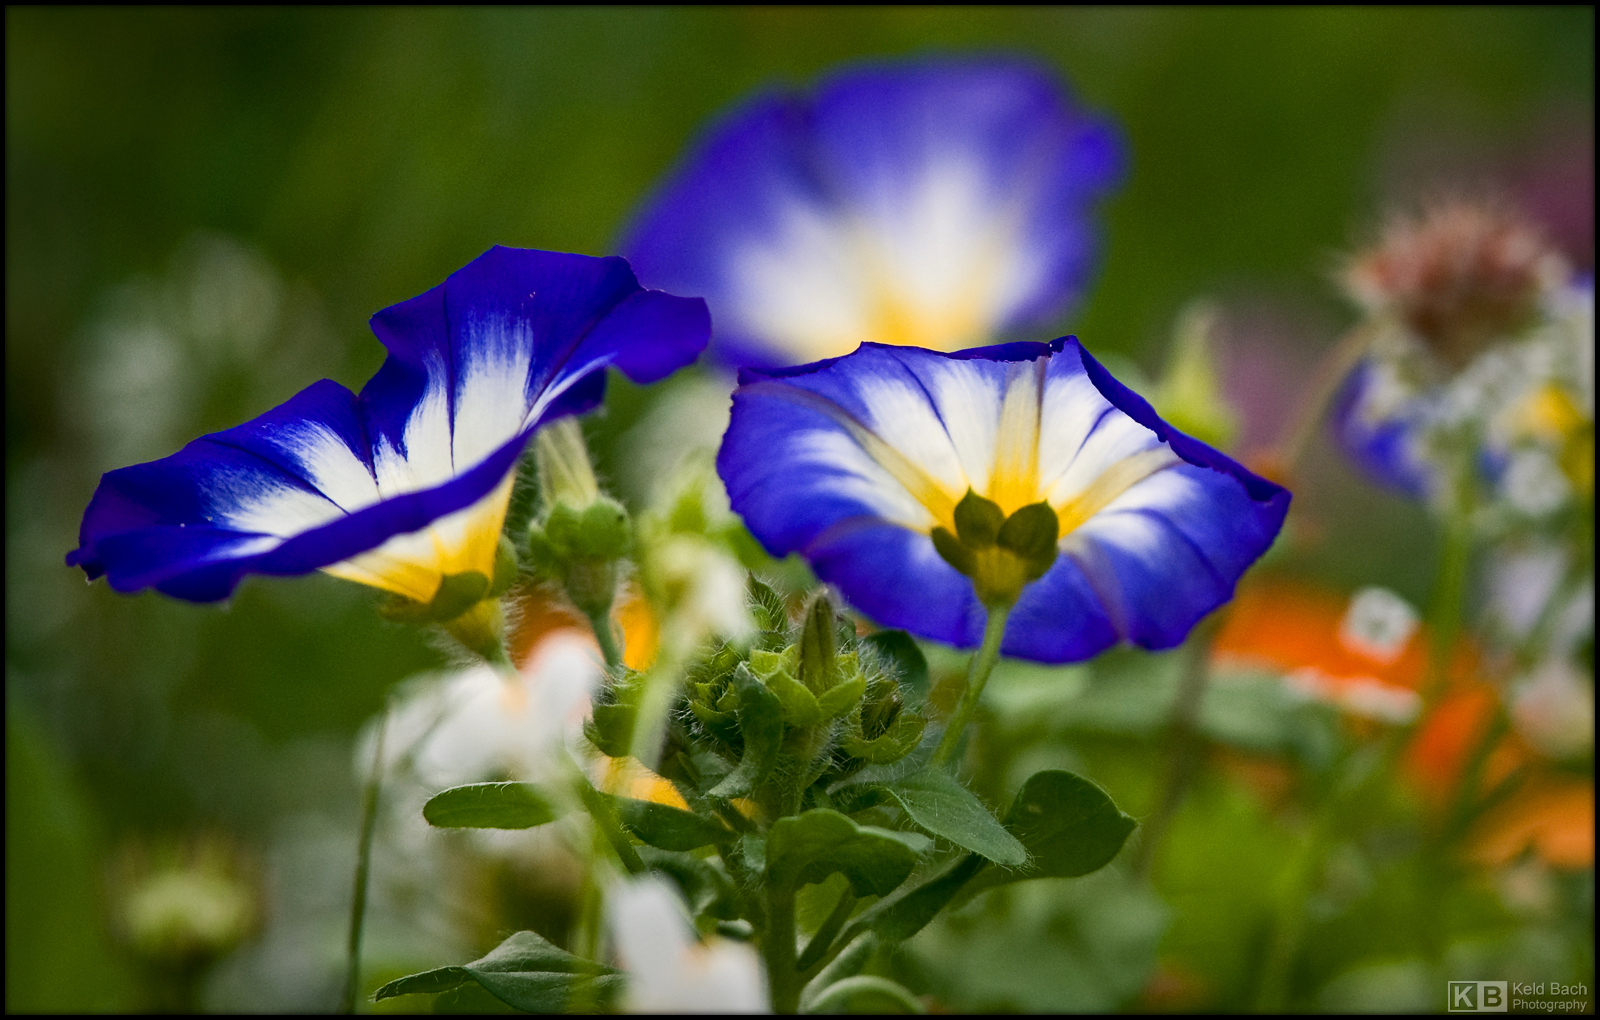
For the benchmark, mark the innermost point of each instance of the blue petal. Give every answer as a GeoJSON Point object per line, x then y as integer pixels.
{"type": "Point", "coordinates": [513, 340]}
{"type": "Point", "coordinates": [1386, 449]}
{"type": "Point", "coordinates": [1145, 567]}
{"type": "Point", "coordinates": [812, 224]}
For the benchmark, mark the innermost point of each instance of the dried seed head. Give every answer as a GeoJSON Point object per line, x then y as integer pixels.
{"type": "Point", "coordinates": [1461, 277]}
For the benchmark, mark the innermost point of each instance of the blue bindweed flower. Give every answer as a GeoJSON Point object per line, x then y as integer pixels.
{"type": "Point", "coordinates": [882, 466]}
{"type": "Point", "coordinates": [1521, 412]}
{"type": "Point", "coordinates": [1379, 425]}
{"type": "Point", "coordinates": [406, 484]}
{"type": "Point", "coordinates": [938, 205]}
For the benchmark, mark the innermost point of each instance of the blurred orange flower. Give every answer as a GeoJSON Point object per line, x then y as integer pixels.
{"type": "Point", "coordinates": [1441, 752]}
{"type": "Point", "coordinates": [1551, 815]}
{"type": "Point", "coordinates": [1366, 655]}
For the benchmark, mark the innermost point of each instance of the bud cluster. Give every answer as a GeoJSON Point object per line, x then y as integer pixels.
{"type": "Point", "coordinates": [778, 721]}
{"type": "Point", "coordinates": [579, 547]}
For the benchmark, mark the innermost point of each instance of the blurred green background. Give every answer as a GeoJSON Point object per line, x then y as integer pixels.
{"type": "Point", "coordinates": [203, 207]}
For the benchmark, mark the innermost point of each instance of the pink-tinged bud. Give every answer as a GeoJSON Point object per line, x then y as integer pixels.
{"type": "Point", "coordinates": [1460, 277]}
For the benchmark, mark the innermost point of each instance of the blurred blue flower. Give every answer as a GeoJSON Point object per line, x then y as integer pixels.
{"type": "Point", "coordinates": [1380, 427]}
{"type": "Point", "coordinates": [407, 483]}
{"type": "Point", "coordinates": [939, 204]}
{"type": "Point", "coordinates": [1525, 405]}
{"type": "Point", "coordinates": [858, 463]}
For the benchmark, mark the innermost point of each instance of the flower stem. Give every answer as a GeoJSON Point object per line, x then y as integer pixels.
{"type": "Point", "coordinates": [983, 661]}
{"type": "Point", "coordinates": [1364, 773]}
{"type": "Point", "coordinates": [358, 902]}
{"type": "Point", "coordinates": [1449, 594]}
{"type": "Point", "coordinates": [1331, 372]}
{"type": "Point", "coordinates": [610, 828]}
{"type": "Point", "coordinates": [1185, 745]}
{"type": "Point", "coordinates": [783, 980]}
{"type": "Point", "coordinates": [606, 635]}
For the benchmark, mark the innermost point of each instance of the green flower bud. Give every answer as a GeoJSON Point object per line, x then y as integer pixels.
{"type": "Point", "coordinates": [818, 647]}
{"type": "Point", "coordinates": [562, 459]}
{"type": "Point", "coordinates": [604, 531]}
{"type": "Point", "coordinates": [1190, 396]}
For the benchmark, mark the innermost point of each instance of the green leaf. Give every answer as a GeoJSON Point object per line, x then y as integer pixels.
{"type": "Point", "coordinates": [1031, 533]}
{"type": "Point", "coordinates": [761, 725]}
{"type": "Point", "coordinates": [705, 885]}
{"type": "Point", "coordinates": [490, 806]}
{"type": "Point", "coordinates": [842, 698]}
{"type": "Point", "coordinates": [944, 807]}
{"type": "Point", "coordinates": [899, 651]}
{"type": "Point", "coordinates": [524, 971]}
{"type": "Point", "coordinates": [800, 706]}
{"type": "Point", "coordinates": [668, 827]}
{"type": "Point", "coordinates": [767, 606]}
{"type": "Point", "coordinates": [1069, 826]}
{"type": "Point", "coordinates": [611, 729]}
{"type": "Point", "coordinates": [978, 521]}
{"type": "Point", "coordinates": [808, 848]}
{"type": "Point", "coordinates": [949, 547]}
{"type": "Point", "coordinates": [902, 917]}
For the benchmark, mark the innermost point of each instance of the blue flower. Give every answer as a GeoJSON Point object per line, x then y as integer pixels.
{"type": "Point", "coordinates": [859, 463]}
{"type": "Point", "coordinates": [1381, 426]}
{"type": "Point", "coordinates": [938, 205]}
{"type": "Point", "coordinates": [407, 483]}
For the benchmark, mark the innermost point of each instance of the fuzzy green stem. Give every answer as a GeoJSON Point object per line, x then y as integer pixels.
{"type": "Point", "coordinates": [358, 901]}
{"type": "Point", "coordinates": [777, 949]}
{"type": "Point", "coordinates": [983, 661]}
{"type": "Point", "coordinates": [605, 634]}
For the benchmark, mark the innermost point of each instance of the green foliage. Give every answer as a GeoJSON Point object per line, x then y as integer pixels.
{"type": "Point", "coordinates": [670, 828]}
{"type": "Point", "coordinates": [457, 593]}
{"type": "Point", "coordinates": [66, 963]}
{"type": "Point", "coordinates": [1069, 826]}
{"type": "Point", "coordinates": [1084, 946]}
{"type": "Point", "coordinates": [525, 972]}
{"type": "Point", "coordinates": [760, 716]}
{"type": "Point", "coordinates": [942, 806]}
{"type": "Point", "coordinates": [369, 152]}
{"type": "Point", "coordinates": [811, 846]}
{"type": "Point", "coordinates": [902, 656]}
{"type": "Point", "coordinates": [491, 806]}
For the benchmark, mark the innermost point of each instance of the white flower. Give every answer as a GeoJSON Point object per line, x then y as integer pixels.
{"type": "Point", "coordinates": [671, 971]}
{"type": "Point", "coordinates": [477, 724]}
{"type": "Point", "coordinates": [1378, 625]}
{"type": "Point", "coordinates": [1553, 707]}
